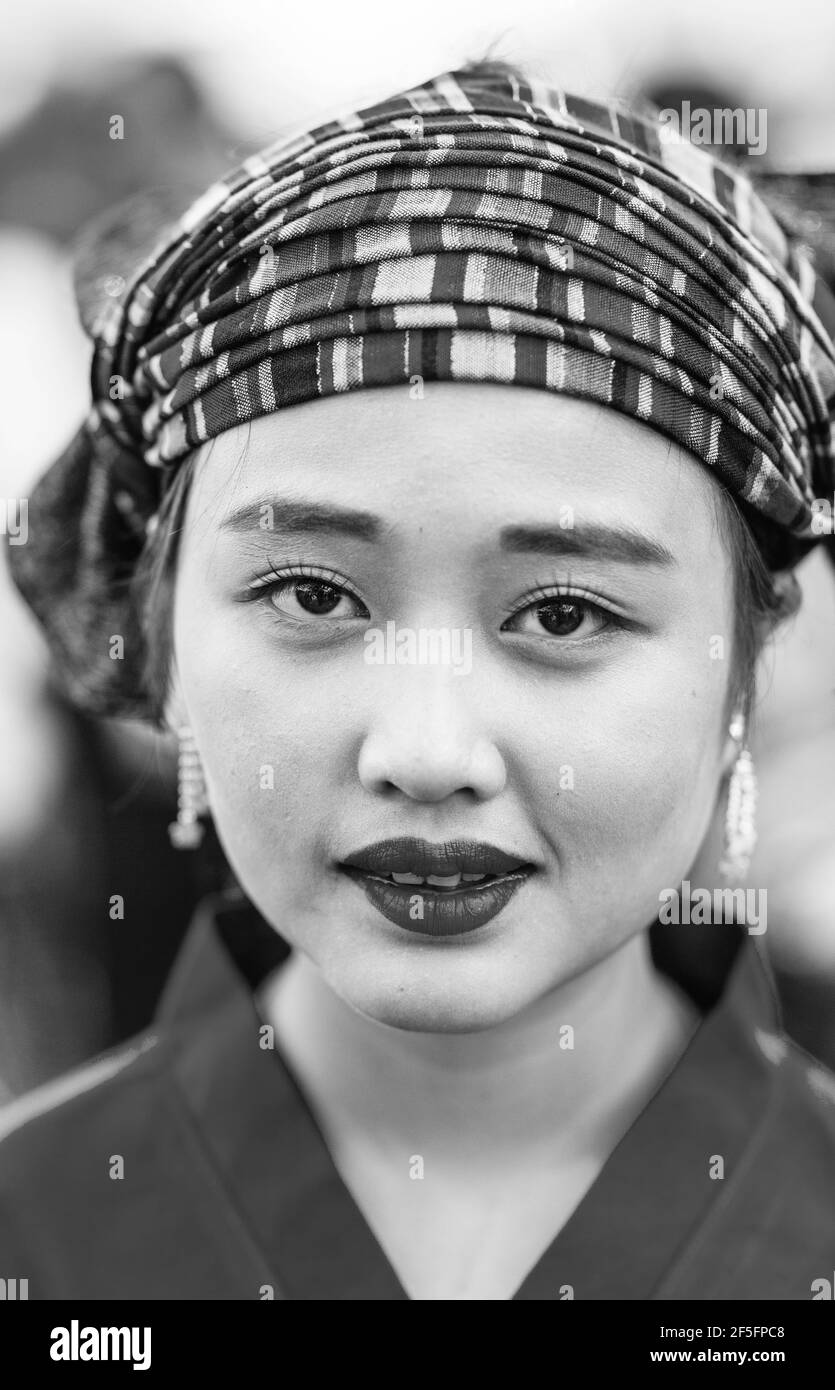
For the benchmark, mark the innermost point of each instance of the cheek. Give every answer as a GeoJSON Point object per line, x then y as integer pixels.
{"type": "Point", "coordinates": [262, 726]}
{"type": "Point", "coordinates": [631, 768]}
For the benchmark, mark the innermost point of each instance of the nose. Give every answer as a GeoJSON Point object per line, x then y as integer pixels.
{"type": "Point", "coordinates": [427, 743]}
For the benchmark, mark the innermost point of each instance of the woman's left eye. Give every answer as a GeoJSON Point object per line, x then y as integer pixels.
{"type": "Point", "coordinates": [561, 615]}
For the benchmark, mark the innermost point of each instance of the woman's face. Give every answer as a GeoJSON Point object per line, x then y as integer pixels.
{"type": "Point", "coordinates": [568, 710]}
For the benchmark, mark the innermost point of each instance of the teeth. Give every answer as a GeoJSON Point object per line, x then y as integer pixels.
{"type": "Point", "coordinates": [438, 880]}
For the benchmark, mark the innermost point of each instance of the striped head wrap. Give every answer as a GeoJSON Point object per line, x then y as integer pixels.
{"type": "Point", "coordinates": [479, 227]}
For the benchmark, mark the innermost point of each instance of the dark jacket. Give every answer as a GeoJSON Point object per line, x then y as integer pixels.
{"type": "Point", "coordinates": [186, 1164]}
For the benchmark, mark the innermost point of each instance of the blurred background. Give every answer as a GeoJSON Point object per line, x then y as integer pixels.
{"type": "Point", "coordinates": [84, 804]}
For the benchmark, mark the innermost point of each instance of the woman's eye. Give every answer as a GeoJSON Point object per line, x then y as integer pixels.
{"type": "Point", "coordinates": [306, 597]}
{"type": "Point", "coordinates": [303, 599]}
{"type": "Point", "coordinates": [561, 616]}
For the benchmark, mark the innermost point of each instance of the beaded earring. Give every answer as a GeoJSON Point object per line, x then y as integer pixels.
{"type": "Point", "coordinates": [740, 829]}
{"type": "Point", "coordinates": [186, 832]}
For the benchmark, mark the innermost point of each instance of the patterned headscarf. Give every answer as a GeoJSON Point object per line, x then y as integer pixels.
{"type": "Point", "coordinates": [479, 227]}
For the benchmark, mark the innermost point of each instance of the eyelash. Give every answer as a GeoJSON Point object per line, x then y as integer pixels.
{"type": "Point", "coordinates": [267, 584]}
{"type": "Point", "coordinates": [552, 591]}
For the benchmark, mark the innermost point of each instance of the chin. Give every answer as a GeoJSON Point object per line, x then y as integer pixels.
{"type": "Point", "coordinates": [427, 1006]}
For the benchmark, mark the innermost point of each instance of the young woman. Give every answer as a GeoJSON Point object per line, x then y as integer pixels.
{"type": "Point", "coordinates": [462, 668]}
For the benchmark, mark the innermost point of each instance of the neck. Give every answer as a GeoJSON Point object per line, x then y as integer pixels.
{"type": "Point", "coordinates": [483, 1093]}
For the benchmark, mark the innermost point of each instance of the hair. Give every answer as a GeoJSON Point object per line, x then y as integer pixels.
{"type": "Point", "coordinates": [152, 591]}
{"type": "Point", "coordinates": [764, 596]}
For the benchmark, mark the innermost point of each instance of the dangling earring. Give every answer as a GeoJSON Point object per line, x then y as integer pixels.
{"type": "Point", "coordinates": [186, 832]}
{"type": "Point", "coordinates": [740, 830]}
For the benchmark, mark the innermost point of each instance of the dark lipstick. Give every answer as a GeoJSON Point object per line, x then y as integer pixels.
{"type": "Point", "coordinates": [480, 881]}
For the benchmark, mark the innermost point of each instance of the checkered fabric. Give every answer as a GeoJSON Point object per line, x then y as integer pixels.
{"type": "Point", "coordinates": [484, 230]}
{"type": "Point", "coordinates": [475, 228]}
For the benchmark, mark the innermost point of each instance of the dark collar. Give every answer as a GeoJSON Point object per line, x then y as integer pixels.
{"type": "Point", "coordinates": [629, 1232]}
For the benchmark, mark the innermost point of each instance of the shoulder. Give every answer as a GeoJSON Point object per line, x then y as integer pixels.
{"type": "Point", "coordinates": [773, 1235]}
{"type": "Point", "coordinates": [107, 1190]}
{"type": "Point", "coordinates": [65, 1118]}
{"type": "Point", "coordinates": [803, 1122]}
{"type": "Point", "coordinates": [807, 1080]}
{"type": "Point", "coordinates": [61, 1147]}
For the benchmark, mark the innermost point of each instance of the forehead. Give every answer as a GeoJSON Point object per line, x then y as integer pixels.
{"type": "Point", "coordinates": [475, 450]}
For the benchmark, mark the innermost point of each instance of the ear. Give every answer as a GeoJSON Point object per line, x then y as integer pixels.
{"type": "Point", "coordinates": [790, 594]}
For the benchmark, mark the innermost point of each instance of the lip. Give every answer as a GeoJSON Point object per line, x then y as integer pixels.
{"type": "Point", "coordinates": [433, 911]}
{"type": "Point", "coordinates": [412, 856]}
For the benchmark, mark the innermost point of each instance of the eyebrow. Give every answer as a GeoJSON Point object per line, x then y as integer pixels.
{"type": "Point", "coordinates": [587, 538]}
{"type": "Point", "coordinates": [305, 516]}
{"type": "Point", "coordinates": [619, 543]}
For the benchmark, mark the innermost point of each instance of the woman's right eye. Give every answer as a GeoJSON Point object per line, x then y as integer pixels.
{"type": "Point", "coordinates": [304, 598]}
